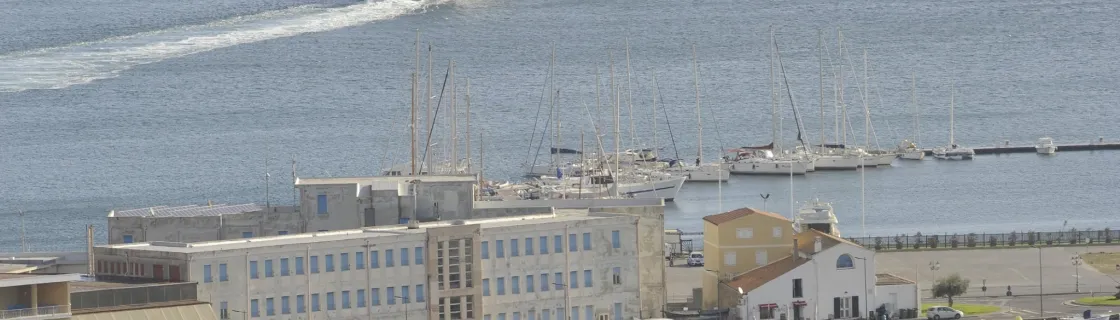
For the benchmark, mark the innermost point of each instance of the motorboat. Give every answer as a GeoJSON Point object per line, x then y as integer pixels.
{"type": "Point", "coordinates": [909, 151]}
{"type": "Point", "coordinates": [953, 152]}
{"type": "Point", "coordinates": [817, 215]}
{"type": "Point", "coordinates": [1045, 146]}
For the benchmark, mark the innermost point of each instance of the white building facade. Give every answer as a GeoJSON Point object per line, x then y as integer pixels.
{"type": "Point", "coordinates": [498, 269]}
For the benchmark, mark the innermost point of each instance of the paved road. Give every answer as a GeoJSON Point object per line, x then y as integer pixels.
{"type": "Point", "coordinates": [1030, 307]}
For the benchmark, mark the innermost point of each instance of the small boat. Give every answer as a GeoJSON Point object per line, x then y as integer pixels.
{"type": "Point", "coordinates": [953, 151]}
{"type": "Point", "coordinates": [1045, 146]}
{"type": "Point", "coordinates": [909, 151]}
{"type": "Point", "coordinates": [817, 215]}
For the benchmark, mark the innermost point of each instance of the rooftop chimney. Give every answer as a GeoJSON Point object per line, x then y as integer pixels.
{"type": "Point", "coordinates": [817, 244]}
{"type": "Point", "coordinates": [795, 255]}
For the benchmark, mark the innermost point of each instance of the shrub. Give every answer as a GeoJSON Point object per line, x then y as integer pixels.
{"type": "Point", "coordinates": [1032, 237]}
{"type": "Point", "coordinates": [932, 240]}
{"type": "Point", "coordinates": [992, 241]}
{"type": "Point", "coordinates": [1075, 237]}
{"type": "Point", "coordinates": [971, 240]}
{"type": "Point", "coordinates": [1107, 235]}
{"type": "Point", "coordinates": [954, 241]}
{"type": "Point", "coordinates": [878, 243]}
{"type": "Point", "coordinates": [898, 242]}
{"type": "Point", "coordinates": [1014, 237]}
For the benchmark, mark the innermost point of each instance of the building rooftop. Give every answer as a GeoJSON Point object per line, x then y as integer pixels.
{"type": "Point", "coordinates": [111, 282]}
{"type": "Point", "coordinates": [23, 279]}
{"type": "Point", "coordinates": [560, 215]}
{"type": "Point", "coordinates": [187, 211]}
{"type": "Point", "coordinates": [805, 241]}
{"type": "Point", "coordinates": [757, 277]}
{"type": "Point", "coordinates": [373, 179]}
{"type": "Point", "coordinates": [721, 218]}
{"type": "Point", "coordinates": [886, 279]}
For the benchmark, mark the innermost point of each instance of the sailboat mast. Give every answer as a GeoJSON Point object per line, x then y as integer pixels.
{"type": "Point", "coordinates": [773, 98]}
{"type": "Point", "coordinates": [914, 100]}
{"type": "Point", "coordinates": [820, 58]}
{"type": "Point", "coordinates": [415, 92]}
{"type": "Point", "coordinates": [598, 104]}
{"type": "Point", "coordinates": [952, 105]}
{"type": "Point", "coordinates": [468, 125]}
{"type": "Point", "coordinates": [617, 150]}
{"type": "Point", "coordinates": [653, 122]}
{"type": "Point", "coordinates": [552, 107]}
{"type": "Point", "coordinates": [866, 108]}
{"type": "Point", "coordinates": [699, 122]}
{"type": "Point", "coordinates": [454, 129]}
{"type": "Point", "coordinates": [429, 121]}
{"type": "Point", "coordinates": [629, 94]}
{"type": "Point", "coordinates": [843, 106]}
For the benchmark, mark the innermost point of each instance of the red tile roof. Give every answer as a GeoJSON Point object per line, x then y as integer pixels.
{"type": "Point", "coordinates": [757, 277]}
{"type": "Point", "coordinates": [721, 218]}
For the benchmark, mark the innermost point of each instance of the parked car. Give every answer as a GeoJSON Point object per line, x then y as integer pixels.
{"type": "Point", "coordinates": [695, 259]}
{"type": "Point", "coordinates": [942, 312]}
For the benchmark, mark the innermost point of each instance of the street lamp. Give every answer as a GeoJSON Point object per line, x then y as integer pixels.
{"type": "Point", "coordinates": [864, 270]}
{"type": "Point", "coordinates": [404, 301]}
{"type": "Point", "coordinates": [244, 315]}
{"type": "Point", "coordinates": [1041, 312]}
{"type": "Point", "coordinates": [933, 267]}
{"type": "Point", "coordinates": [1076, 260]}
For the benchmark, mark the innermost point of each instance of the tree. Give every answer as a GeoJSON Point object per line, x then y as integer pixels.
{"type": "Point", "coordinates": [950, 286]}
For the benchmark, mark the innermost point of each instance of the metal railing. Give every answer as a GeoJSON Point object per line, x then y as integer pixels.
{"type": "Point", "coordinates": [35, 312]}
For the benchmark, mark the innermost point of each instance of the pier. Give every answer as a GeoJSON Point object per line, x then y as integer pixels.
{"type": "Point", "coordinates": [1093, 146]}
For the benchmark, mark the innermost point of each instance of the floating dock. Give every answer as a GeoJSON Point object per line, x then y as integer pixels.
{"type": "Point", "coordinates": [1031, 149]}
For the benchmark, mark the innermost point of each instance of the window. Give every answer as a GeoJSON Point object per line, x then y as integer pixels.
{"type": "Point", "coordinates": [572, 242]}
{"type": "Point", "coordinates": [500, 248]}
{"type": "Point", "coordinates": [729, 259]}
{"type": "Point", "coordinates": [391, 295]}
{"type": "Point", "coordinates": [222, 275]}
{"type": "Point", "coordinates": [315, 302]}
{"type": "Point", "coordinates": [346, 299]}
{"type": "Point", "coordinates": [485, 287]}
{"type": "Point", "coordinates": [330, 262]}
{"type": "Point", "coordinates": [281, 232]}
{"type": "Point", "coordinates": [797, 293]}
{"type": "Point", "coordinates": [516, 282]}
{"type": "Point", "coordinates": [268, 269]}
{"type": "Point", "coordinates": [516, 316]}
{"type": "Point", "coordinates": [375, 294]}
{"type": "Point", "coordinates": [777, 232]}
{"type": "Point", "coordinates": [419, 293]}
{"type": "Point", "coordinates": [528, 246]}
{"type": "Point", "coordinates": [560, 314]}
{"type": "Point", "coordinates": [575, 313]}
{"type": "Point", "coordinates": [206, 274]}
{"type": "Point", "coordinates": [573, 279]}
{"type": "Point", "coordinates": [404, 295]}
{"type": "Point", "coordinates": [359, 260]}
{"type": "Point", "coordinates": [586, 278]}
{"type": "Point", "coordinates": [299, 265]}
{"type": "Point", "coordinates": [404, 256]}
{"type": "Point", "coordinates": [485, 250]}
{"type": "Point", "coordinates": [128, 238]}
{"type": "Point", "coordinates": [254, 308]}
{"type": "Point", "coordinates": [557, 244]}
{"type": "Point", "coordinates": [616, 275]}
{"type": "Point", "coordinates": [616, 239]}
{"type": "Point", "coordinates": [321, 201]}
{"type": "Point", "coordinates": [284, 270]}
{"type": "Point", "coordinates": [388, 258]}
{"type": "Point", "coordinates": [301, 303]}
{"type": "Point", "coordinates": [767, 311]}
{"type": "Point", "coordinates": [224, 314]}
{"type": "Point", "coordinates": [744, 233]}
{"type": "Point", "coordinates": [546, 314]}
{"type": "Point", "coordinates": [344, 258]}
{"type": "Point", "coordinates": [373, 259]}
{"type": "Point", "coordinates": [253, 270]}
{"type": "Point", "coordinates": [559, 278]}
{"type": "Point", "coordinates": [285, 305]}
{"type": "Point", "coordinates": [617, 311]}
{"type": "Point", "coordinates": [760, 258]}
{"type": "Point", "coordinates": [419, 255]}
{"type": "Point", "coordinates": [529, 283]}
{"type": "Point", "coordinates": [247, 234]}
{"type": "Point", "coordinates": [586, 241]}
{"type": "Point", "coordinates": [844, 262]}
{"type": "Point", "coordinates": [501, 286]}
{"type": "Point", "coordinates": [589, 312]}
{"type": "Point", "coordinates": [544, 248]}
{"type": "Point", "coordinates": [513, 248]}
{"type": "Point", "coordinates": [269, 307]}
{"type": "Point", "coordinates": [544, 282]}
{"type": "Point", "coordinates": [501, 316]}
{"type": "Point", "coordinates": [314, 264]}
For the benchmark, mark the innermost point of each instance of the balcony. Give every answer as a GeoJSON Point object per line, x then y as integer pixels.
{"type": "Point", "coordinates": [51, 312]}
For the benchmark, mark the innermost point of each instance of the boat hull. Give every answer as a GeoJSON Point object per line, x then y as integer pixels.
{"type": "Point", "coordinates": [1046, 149]}
{"type": "Point", "coordinates": [769, 167]}
{"type": "Point", "coordinates": [836, 162]}
{"type": "Point", "coordinates": [913, 155]}
{"type": "Point", "coordinates": [665, 188]}
{"type": "Point", "coordinates": [707, 173]}
{"type": "Point", "coordinates": [885, 159]}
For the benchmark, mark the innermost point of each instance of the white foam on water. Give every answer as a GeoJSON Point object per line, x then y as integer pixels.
{"type": "Point", "coordinates": [61, 67]}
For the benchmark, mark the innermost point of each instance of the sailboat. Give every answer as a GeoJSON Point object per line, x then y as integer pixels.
{"type": "Point", "coordinates": [908, 150]}
{"type": "Point", "coordinates": [702, 172]}
{"type": "Point", "coordinates": [953, 151]}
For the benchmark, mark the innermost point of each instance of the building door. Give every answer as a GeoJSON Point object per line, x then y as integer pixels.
{"type": "Point", "coordinates": [798, 312]}
{"type": "Point", "coordinates": [157, 271]}
{"type": "Point", "coordinates": [174, 274]}
{"type": "Point", "coordinates": [894, 303]}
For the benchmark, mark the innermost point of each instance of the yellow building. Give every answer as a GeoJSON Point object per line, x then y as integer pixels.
{"type": "Point", "coordinates": [738, 241]}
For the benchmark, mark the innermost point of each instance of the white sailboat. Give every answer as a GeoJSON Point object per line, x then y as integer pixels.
{"type": "Point", "coordinates": [834, 156]}
{"type": "Point", "coordinates": [1045, 146]}
{"type": "Point", "coordinates": [909, 150]}
{"type": "Point", "coordinates": [953, 151]}
{"type": "Point", "coordinates": [702, 172]}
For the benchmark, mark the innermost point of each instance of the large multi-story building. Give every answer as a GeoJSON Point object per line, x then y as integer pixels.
{"type": "Point", "coordinates": [606, 261]}
{"type": "Point", "coordinates": [738, 241]}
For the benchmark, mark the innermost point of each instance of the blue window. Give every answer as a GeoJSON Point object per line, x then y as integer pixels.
{"type": "Point", "coordinates": [485, 250]}
{"type": "Point", "coordinates": [586, 278]}
{"type": "Point", "coordinates": [586, 241]}
{"type": "Point", "coordinates": [222, 275]}
{"type": "Point", "coordinates": [315, 302]}
{"type": "Point", "coordinates": [361, 298]}
{"type": "Point", "coordinates": [575, 313]}
{"type": "Point", "coordinates": [529, 283]}
{"type": "Point", "coordinates": [559, 278]}
{"type": "Point", "coordinates": [844, 262]}
{"type": "Point", "coordinates": [617, 311]}
{"type": "Point", "coordinates": [330, 262]}
{"type": "Point", "coordinates": [388, 258]}
{"type": "Point", "coordinates": [557, 244]}
{"type": "Point", "coordinates": [560, 314]}
{"type": "Point", "coordinates": [314, 264]}
{"type": "Point", "coordinates": [284, 269]}
{"type": "Point", "coordinates": [299, 265]}
{"type": "Point", "coordinates": [253, 270]}
{"type": "Point", "coordinates": [528, 246]}
{"type": "Point", "coordinates": [404, 256]}
{"type": "Point", "coordinates": [419, 293]}
{"type": "Point", "coordinates": [285, 305]}
{"type": "Point", "coordinates": [544, 248]}
{"type": "Point", "coordinates": [617, 274]}
{"type": "Point", "coordinates": [269, 307]}
{"type": "Point", "coordinates": [206, 274]}
{"type": "Point", "coordinates": [127, 238]}
{"type": "Point", "coordinates": [500, 247]}
{"type": "Point", "coordinates": [572, 242]}
{"type": "Point", "coordinates": [346, 299]}
{"type": "Point", "coordinates": [404, 295]}
{"type": "Point", "coordinates": [254, 308]}
{"type": "Point", "coordinates": [546, 314]}
{"type": "Point", "coordinates": [375, 294]}
{"type": "Point", "coordinates": [616, 242]}
{"type": "Point", "coordinates": [373, 260]}
{"type": "Point", "coordinates": [301, 303]}
{"type": "Point", "coordinates": [485, 287]}
{"type": "Point", "coordinates": [282, 232]}
{"type": "Point", "coordinates": [516, 316]}
{"type": "Point", "coordinates": [573, 279]}
{"type": "Point", "coordinates": [391, 295]}
{"type": "Point", "coordinates": [501, 316]}
{"type": "Point", "coordinates": [419, 255]}
{"type": "Point", "coordinates": [247, 234]}
{"type": "Point", "coordinates": [345, 259]}
{"type": "Point", "coordinates": [544, 282]}
{"type": "Point", "coordinates": [321, 201]}
{"type": "Point", "coordinates": [268, 268]}
{"type": "Point", "coordinates": [513, 250]}
{"type": "Point", "coordinates": [330, 300]}
{"type": "Point", "coordinates": [359, 260]}
{"type": "Point", "coordinates": [516, 282]}
{"type": "Point", "coordinates": [589, 312]}
{"type": "Point", "coordinates": [501, 286]}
